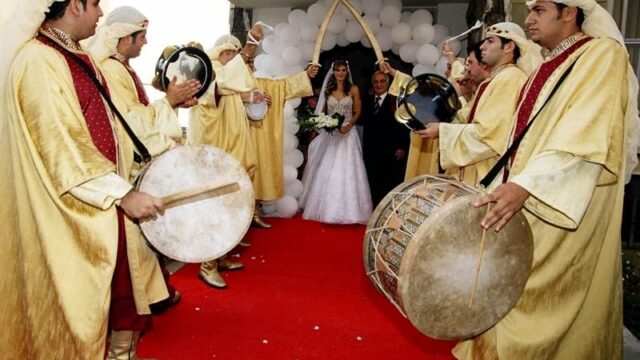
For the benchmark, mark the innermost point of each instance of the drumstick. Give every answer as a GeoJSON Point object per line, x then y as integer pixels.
{"type": "Point", "coordinates": [197, 194]}
{"type": "Point", "coordinates": [475, 279]}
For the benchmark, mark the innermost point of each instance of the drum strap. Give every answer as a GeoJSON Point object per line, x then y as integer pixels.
{"type": "Point", "coordinates": [144, 153]}
{"type": "Point", "coordinates": [504, 159]}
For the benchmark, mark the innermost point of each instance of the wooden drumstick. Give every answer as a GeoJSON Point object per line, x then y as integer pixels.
{"type": "Point", "coordinates": [475, 279]}
{"type": "Point", "coordinates": [197, 194]}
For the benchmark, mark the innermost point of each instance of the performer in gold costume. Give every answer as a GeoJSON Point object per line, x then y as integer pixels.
{"type": "Point", "coordinates": [74, 263]}
{"type": "Point", "coordinates": [568, 177]}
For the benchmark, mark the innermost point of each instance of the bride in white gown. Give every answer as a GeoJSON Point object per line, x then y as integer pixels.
{"type": "Point", "coordinates": [336, 189]}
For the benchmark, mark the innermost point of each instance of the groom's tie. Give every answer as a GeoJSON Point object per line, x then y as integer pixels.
{"type": "Point", "coordinates": [376, 105]}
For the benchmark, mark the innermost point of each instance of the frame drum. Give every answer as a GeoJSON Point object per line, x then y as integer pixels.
{"type": "Point", "coordinates": [203, 229]}
{"type": "Point", "coordinates": [257, 111]}
{"type": "Point", "coordinates": [422, 249]}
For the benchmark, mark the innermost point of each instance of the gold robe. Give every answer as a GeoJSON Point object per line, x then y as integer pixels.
{"type": "Point", "coordinates": [59, 252]}
{"type": "Point", "coordinates": [572, 164]}
{"type": "Point", "coordinates": [268, 141]}
{"type": "Point", "coordinates": [156, 124]}
{"type": "Point", "coordinates": [224, 124]}
{"type": "Point", "coordinates": [469, 150]}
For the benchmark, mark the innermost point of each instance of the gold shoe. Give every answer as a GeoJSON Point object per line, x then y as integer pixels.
{"type": "Point", "coordinates": [258, 222]}
{"type": "Point", "coordinates": [244, 244]}
{"type": "Point", "coordinates": [226, 264]}
{"type": "Point", "coordinates": [123, 345]}
{"type": "Point", "coordinates": [210, 275]}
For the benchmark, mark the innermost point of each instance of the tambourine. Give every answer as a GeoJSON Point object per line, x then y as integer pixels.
{"type": "Point", "coordinates": [426, 98]}
{"type": "Point", "coordinates": [257, 111]}
{"type": "Point", "coordinates": [184, 63]}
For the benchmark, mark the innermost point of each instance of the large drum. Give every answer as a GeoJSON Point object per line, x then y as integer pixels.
{"type": "Point", "coordinates": [209, 199]}
{"type": "Point", "coordinates": [424, 250]}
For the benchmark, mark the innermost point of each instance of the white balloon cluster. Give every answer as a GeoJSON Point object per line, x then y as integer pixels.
{"type": "Point", "coordinates": [287, 51]}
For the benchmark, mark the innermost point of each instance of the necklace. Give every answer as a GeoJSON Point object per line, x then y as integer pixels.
{"type": "Point", "coordinates": [565, 44]}
{"type": "Point", "coordinates": [497, 70]}
{"type": "Point", "coordinates": [62, 37]}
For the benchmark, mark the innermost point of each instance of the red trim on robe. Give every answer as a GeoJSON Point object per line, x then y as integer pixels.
{"type": "Point", "coordinates": [142, 94]}
{"type": "Point", "coordinates": [479, 93]}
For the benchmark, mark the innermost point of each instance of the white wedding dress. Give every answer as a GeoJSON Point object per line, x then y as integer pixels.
{"type": "Point", "coordinates": [336, 189]}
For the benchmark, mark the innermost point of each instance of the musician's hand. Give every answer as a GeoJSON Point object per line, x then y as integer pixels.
{"type": "Point", "coordinates": [141, 206]}
{"type": "Point", "coordinates": [431, 131]}
{"type": "Point", "coordinates": [312, 71]}
{"type": "Point", "coordinates": [256, 32]}
{"type": "Point", "coordinates": [386, 68]}
{"type": "Point", "coordinates": [189, 103]}
{"type": "Point", "coordinates": [464, 87]}
{"type": "Point", "coordinates": [259, 97]}
{"type": "Point", "coordinates": [179, 93]}
{"type": "Point", "coordinates": [508, 199]}
{"type": "Point", "coordinates": [400, 154]}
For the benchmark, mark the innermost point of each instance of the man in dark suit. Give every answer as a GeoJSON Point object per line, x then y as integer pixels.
{"type": "Point", "coordinates": [385, 142]}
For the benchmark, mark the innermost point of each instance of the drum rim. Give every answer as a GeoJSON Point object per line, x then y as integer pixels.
{"type": "Point", "coordinates": [200, 147]}
{"type": "Point", "coordinates": [422, 235]}
{"type": "Point", "coordinates": [204, 59]}
{"type": "Point", "coordinates": [253, 117]}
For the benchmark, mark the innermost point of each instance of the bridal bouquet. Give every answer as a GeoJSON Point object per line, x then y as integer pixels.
{"type": "Point", "coordinates": [316, 122]}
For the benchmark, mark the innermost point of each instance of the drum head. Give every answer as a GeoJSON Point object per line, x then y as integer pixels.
{"type": "Point", "coordinates": [257, 111]}
{"type": "Point", "coordinates": [186, 63]}
{"type": "Point", "coordinates": [201, 230]}
{"type": "Point", "coordinates": [439, 267]}
{"type": "Point", "coordinates": [427, 98]}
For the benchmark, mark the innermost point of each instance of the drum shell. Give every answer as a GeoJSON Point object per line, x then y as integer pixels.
{"type": "Point", "coordinates": [428, 274]}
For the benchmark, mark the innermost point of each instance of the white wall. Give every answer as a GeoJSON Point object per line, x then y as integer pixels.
{"type": "Point", "coordinates": [453, 15]}
{"type": "Point", "coordinates": [271, 16]}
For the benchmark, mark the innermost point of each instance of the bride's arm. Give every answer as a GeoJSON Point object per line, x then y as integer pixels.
{"type": "Point", "coordinates": [357, 109]}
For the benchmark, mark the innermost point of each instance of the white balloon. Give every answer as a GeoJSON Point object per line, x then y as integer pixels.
{"type": "Point", "coordinates": [291, 127]}
{"type": "Point", "coordinates": [424, 33]}
{"type": "Point", "coordinates": [273, 65]}
{"type": "Point", "coordinates": [291, 55]}
{"type": "Point", "coordinates": [422, 69]}
{"type": "Point", "coordinates": [357, 4]}
{"type": "Point", "coordinates": [396, 49]}
{"type": "Point", "coordinates": [384, 38]}
{"type": "Point", "coordinates": [401, 33]}
{"type": "Point", "coordinates": [307, 50]}
{"type": "Point", "coordinates": [396, 3]}
{"type": "Point", "coordinates": [258, 62]}
{"type": "Point", "coordinates": [297, 18]}
{"type": "Point", "coordinates": [309, 32]}
{"type": "Point", "coordinates": [353, 32]}
{"type": "Point", "coordinates": [390, 15]}
{"type": "Point", "coordinates": [261, 74]}
{"type": "Point", "coordinates": [372, 7]}
{"type": "Point", "coordinates": [421, 16]}
{"type": "Point", "coordinates": [341, 40]}
{"type": "Point", "coordinates": [293, 70]}
{"type": "Point", "coordinates": [288, 34]}
{"type": "Point", "coordinates": [269, 208]}
{"type": "Point", "coordinates": [441, 65]}
{"type": "Point", "coordinates": [272, 45]}
{"type": "Point", "coordinates": [289, 173]}
{"type": "Point", "coordinates": [427, 54]}
{"type": "Point", "coordinates": [315, 14]}
{"type": "Point", "coordinates": [329, 41]}
{"type": "Point", "coordinates": [294, 158]}
{"type": "Point", "coordinates": [337, 24]}
{"type": "Point", "coordinates": [293, 102]}
{"type": "Point", "coordinates": [290, 142]}
{"type": "Point", "coordinates": [287, 206]}
{"type": "Point", "coordinates": [294, 188]}
{"type": "Point", "coordinates": [373, 22]}
{"type": "Point", "coordinates": [288, 110]}
{"type": "Point", "coordinates": [365, 42]}
{"type": "Point", "coordinates": [408, 52]}
{"type": "Point", "coordinates": [442, 31]}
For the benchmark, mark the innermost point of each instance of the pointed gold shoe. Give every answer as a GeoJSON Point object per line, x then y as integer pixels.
{"type": "Point", "coordinates": [210, 275]}
{"type": "Point", "coordinates": [226, 264]}
{"type": "Point", "coordinates": [259, 223]}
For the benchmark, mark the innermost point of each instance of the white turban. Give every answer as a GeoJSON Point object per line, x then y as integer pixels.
{"type": "Point", "coordinates": [121, 22]}
{"type": "Point", "coordinates": [530, 52]}
{"type": "Point", "coordinates": [598, 23]}
{"type": "Point", "coordinates": [225, 42]}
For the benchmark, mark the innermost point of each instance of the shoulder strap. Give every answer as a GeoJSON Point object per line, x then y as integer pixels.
{"type": "Point", "coordinates": [144, 153]}
{"type": "Point", "coordinates": [502, 162]}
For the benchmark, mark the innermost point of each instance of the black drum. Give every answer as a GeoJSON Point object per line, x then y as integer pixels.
{"type": "Point", "coordinates": [426, 98]}
{"type": "Point", "coordinates": [184, 63]}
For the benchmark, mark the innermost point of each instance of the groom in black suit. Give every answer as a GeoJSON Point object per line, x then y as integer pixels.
{"type": "Point", "coordinates": [385, 141]}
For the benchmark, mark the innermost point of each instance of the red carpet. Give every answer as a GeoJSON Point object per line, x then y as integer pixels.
{"type": "Point", "coordinates": [302, 295]}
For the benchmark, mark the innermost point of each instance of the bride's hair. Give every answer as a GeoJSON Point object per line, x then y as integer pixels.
{"type": "Point", "coordinates": [332, 85]}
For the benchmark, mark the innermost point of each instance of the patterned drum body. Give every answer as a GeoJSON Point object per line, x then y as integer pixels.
{"type": "Point", "coordinates": [422, 249]}
{"type": "Point", "coordinates": [205, 229]}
